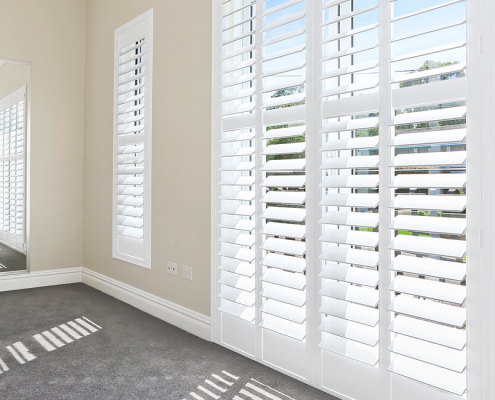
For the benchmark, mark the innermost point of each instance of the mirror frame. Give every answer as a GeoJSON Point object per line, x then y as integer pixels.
{"type": "Point", "coordinates": [27, 182]}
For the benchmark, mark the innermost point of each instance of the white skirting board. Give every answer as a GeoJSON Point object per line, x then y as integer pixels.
{"type": "Point", "coordinates": [24, 280]}
{"type": "Point", "coordinates": [182, 317]}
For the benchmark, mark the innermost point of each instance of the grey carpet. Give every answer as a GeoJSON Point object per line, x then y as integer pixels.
{"type": "Point", "coordinates": [11, 260]}
{"type": "Point", "coordinates": [133, 356]}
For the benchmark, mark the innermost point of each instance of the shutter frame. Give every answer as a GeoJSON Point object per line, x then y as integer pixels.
{"type": "Point", "coordinates": [133, 41]}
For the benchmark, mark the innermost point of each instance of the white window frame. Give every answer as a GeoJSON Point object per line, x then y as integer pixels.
{"type": "Point", "coordinates": [146, 19]}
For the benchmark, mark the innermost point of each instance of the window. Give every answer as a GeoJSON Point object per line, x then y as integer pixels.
{"type": "Point", "coordinates": [344, 207]}
{"type": "Point", "coordinates": [12, 162]}
{"type": "Point", "coordinates": [132, 141]}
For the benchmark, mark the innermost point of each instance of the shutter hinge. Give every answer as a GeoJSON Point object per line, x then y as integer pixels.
{"type": "Point", "coordinates": [481, 238]}
{"type": "Point", "coordinates": [481, 44]}
{"type": "Point", "coordinates": [215, 213]}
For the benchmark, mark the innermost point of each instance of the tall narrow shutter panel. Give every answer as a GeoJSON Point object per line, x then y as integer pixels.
{"type": "Point", "coordinates": [429, 144]}
{"type": "Point", "coordinates": [237, 154]}
{"type": "Point", "coordinates": [261, 207]}
{"type": "Point", "coordinates": [350, 221]}
{"type": "Point", "coordinates": [132, 141]}
{"type": "Point", "coordinates": [12, 154]}
{"type": "Point", "coordinates": [283, 169]}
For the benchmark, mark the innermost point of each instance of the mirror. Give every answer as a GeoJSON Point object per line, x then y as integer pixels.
{"type": "Point", "coordinates": [14, 80]}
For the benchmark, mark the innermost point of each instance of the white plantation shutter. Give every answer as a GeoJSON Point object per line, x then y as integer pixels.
{"type": "Point", "coordinates": [12, 168]}
{"type": "Point", "coordinates": [342, 173]}
{"type": "Point", "coordinates": [132, 141]}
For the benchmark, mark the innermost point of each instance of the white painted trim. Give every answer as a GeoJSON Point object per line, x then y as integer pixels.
{"type": "Point", "coordinates": [174, 314]}
{"type": "Point", "coordinates": [36, 279]}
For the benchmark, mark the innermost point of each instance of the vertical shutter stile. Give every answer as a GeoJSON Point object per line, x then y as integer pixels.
{"type": "Point", "coordinates": [132, 141]}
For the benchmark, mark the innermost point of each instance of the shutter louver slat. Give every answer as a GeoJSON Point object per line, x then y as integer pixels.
{"type": "Point", "coordinates": [287, 263]}
{"type": "Point", "coordinates": [436, 246]}
{"type": "Point", "coordinates": [354, 238]}
{"type": "Point", "coordinates": [429, 289]}
{"type": "Point", "coordinates": [452, 226]}
{"type": "Point", "coordinates": [358, 276]}
{"type": "Point", "coordinates": [368, 220]}
{"type": "Point", "coordinates": [429, 267]}
{"type": "Point", "coordinates": [354, 294]}
{"type": "Point", "coordinates": [350, 15]}
{"type": "Point", "coordinates": [285, 230]}
{"type": "Point", "coordinates": [279, 7]}
{"type": "Point", "coordinates": [284, 311]}
{"type": "Point", "coordinates": [350, 311]}
{"type": "Point", "coordinates": [351, 33]}
{"type": "Point", "coordinates": [238, 224]}
{"type": "Point", "coordinates": [282, 278]}
{"type": "Point", "coordinates": [238, 267]}
{"type": "Point", "coordinates": [350, 330]}
{"type": "Point", "coordinates": [430, 353]}
{"type": "Point", "coordinates": [433, 333]}
{"type": "Point", "coordinates": [237, 296]}
{"type": "Point", "coordinates": [351, 200]}
{"type": "Point", "coordinates": [423, 309]}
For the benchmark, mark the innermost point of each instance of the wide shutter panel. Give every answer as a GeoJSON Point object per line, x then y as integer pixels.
{"type": "Point", "coordinates": [132, 141]}
{"type": "Point", "coordinates": [261, 204]}
{"type": "Point", "coordinates": [12, 168]}
{"type": "Point", "coordinates": [349, 201]}
{"type": "Point", "coordinates": [429, 165]}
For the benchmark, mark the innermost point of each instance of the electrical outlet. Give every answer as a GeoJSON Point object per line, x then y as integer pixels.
{"type": "Point", "coordinates": [187, 272]}
{"type": "Point", "coordinates": [172, 268]}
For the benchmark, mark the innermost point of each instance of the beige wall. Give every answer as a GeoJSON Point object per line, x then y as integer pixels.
{"type": "Point", "coordinates": [51, 35]}
{"type": "Point", "coordinates": [12, 77]}
{"type": "Point", "coordinates": [181, 146]}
